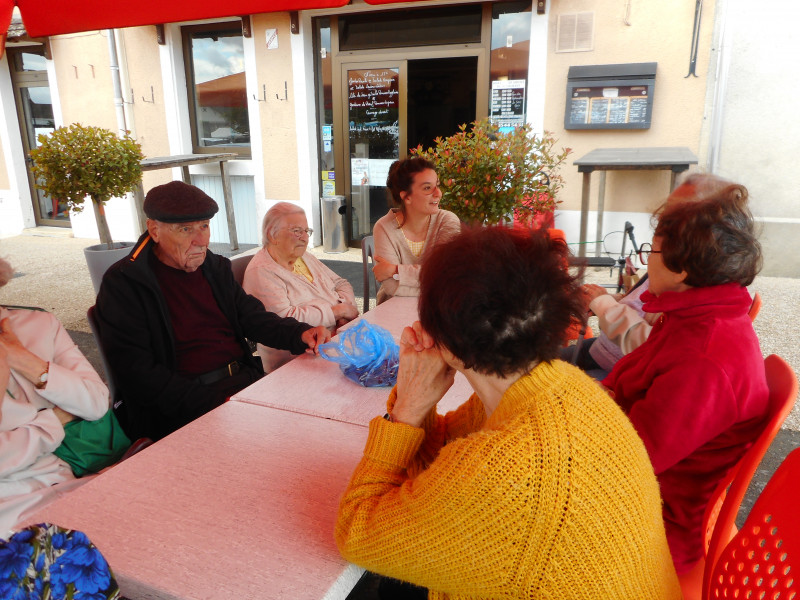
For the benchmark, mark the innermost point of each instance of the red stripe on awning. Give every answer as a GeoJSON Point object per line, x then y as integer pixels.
{"type": "Point", "coordinates": [42, 18]}
{"type": "Point", "coordinates": [6, 8]}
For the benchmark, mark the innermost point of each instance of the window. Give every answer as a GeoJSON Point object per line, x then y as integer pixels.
{"type": "Point", "coordinates": [214, 57]}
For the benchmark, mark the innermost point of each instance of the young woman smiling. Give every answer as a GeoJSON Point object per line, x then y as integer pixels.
{"type": "Point", "coordinates": [407, 233]}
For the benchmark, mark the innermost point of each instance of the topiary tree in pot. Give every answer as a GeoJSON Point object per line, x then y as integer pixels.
{"type": "Point", "coordinates": [489, 177]}
{"type": "Point", "coordinates": [77, 162]}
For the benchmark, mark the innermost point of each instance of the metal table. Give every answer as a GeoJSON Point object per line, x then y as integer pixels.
{"type": "Point", "coordinates": [183, 161]}
{"type": "Point", "coordinates": [675, 159]}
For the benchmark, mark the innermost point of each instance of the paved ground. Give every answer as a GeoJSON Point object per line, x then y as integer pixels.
{"type": "Point", "coordinates": [51, 273]}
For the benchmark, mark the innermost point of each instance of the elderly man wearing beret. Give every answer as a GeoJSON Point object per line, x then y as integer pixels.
{"type": "Point", "coordinates": [174, 322]}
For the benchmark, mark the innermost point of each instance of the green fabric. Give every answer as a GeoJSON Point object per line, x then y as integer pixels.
{"type": "Point", "coordinates": [90, 446]}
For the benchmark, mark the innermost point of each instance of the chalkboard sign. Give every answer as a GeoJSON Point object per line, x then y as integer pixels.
{"type": "Point", "coordinates": [639, 110]}
{"type": "Point", "coordinates": [579, 109]}
{"type": "Point", "coordinates": [610, 96]}
{"type": "Point", "coordinates": [599, 112]}
{"type": "Point", "coordinates": [618, 110]}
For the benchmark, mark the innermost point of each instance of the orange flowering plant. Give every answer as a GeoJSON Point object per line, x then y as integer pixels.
{"type": "Point", "coordinates": [488, 176]}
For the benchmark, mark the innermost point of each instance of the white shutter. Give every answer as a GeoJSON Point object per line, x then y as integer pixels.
{"type": "Point", "coordinates": [575, 32]}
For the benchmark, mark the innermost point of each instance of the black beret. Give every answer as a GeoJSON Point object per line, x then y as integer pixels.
{"type": "Point", "coordinates": [178, 202]}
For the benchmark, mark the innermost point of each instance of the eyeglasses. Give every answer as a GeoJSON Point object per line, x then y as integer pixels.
{"type": "Point", "coordinates": [298, 231]}
{"type": "Point", "coordinates": [645, 250]}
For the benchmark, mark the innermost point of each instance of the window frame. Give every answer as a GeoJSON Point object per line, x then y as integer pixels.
{"type": "Point", "coordinates": [187, 32]}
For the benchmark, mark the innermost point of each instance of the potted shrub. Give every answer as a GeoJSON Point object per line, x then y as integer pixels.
{"type": "Point", "coordinates": [76, 162]}
{"type": "Point", "coordinates": [489, 177]}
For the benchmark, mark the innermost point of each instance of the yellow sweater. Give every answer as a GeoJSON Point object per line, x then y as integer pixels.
{"type": "Point", "coordinates": [553, 496]}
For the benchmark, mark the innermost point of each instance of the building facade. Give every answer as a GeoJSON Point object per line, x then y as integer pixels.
{"type": "Point", "coordinates": [317, 104]}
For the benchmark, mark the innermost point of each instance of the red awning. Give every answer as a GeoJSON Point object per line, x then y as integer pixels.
{"type": "Point", "coordinates": [52, 17]}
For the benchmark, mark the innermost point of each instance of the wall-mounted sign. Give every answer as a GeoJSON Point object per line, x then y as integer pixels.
{"type": "Point", "coordinates": [508, 103]}
{"type": "Point", "coordinates": [610, 96]}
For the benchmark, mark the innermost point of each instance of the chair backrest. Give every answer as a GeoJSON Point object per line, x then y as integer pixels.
{"type": "Point", "coordinates": [95, 327]}
{"type": "Point", "coordinates": [239, 265]}
{"type": "Point", "coordinates": [755, 306]}
{"type": "Point", "coordinates": [761, 561]}
{"type": "Point", "coordinates": [719, 522]}
{"type": "Point", "coordinates": [368, 259]}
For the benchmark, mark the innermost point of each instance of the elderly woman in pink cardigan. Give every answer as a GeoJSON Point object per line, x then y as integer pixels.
{"type": "Point", "coordinates": [293, 283]}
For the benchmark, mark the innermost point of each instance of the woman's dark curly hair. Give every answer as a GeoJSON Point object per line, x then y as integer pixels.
{"type": "Point", "coordinates": [401, 177]}
{"type": "Point", "coordinates": [711, 237]}
{"type": "Point", "coordinates": [500, 299]}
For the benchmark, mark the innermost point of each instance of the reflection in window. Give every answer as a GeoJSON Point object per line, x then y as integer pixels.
{"type": "Point", "coordinates": [29, 61]}
{"type": "Point", "coordinates": [217, 94]}
{"type": "Point", "coordinates": [511, 33]}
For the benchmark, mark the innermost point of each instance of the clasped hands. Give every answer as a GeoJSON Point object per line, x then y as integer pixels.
{"type": "Point", "coordinates": [423, 377]}
{"type": "Point", "coordinates": [13, 355]}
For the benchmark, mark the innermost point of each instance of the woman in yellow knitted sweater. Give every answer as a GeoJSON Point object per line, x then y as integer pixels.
{"type": "Point", "coordinates": [538, 486]}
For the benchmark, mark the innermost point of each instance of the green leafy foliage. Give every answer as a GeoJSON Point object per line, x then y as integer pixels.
{"type": "Point", "coordinates": [78, 161]}
{"type": "Point", "coordinates": [487, 176]}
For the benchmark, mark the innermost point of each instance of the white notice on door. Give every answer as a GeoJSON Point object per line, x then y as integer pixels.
{"type": "Point", "coordinates": [272, 39]}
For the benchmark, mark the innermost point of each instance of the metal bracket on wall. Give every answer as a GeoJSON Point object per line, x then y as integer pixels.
{"type": "Point", "coordinates": [264, 94]}
{"type": "Point", "coordinates": [285, 92]}
{"type": "Point", "coordinates": [160, 35]}
{"type": "Point", "coordinates": [247, 30]}
{"type": "Point", "coordinates": [540, 6]}
{"type": "Point", "coordinates": [294, 22]}
{"type": "Point", "coordinates": [152, 97]}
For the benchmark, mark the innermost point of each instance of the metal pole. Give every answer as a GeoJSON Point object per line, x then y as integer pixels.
{"type": "Point", "coordinates": [115, 79]}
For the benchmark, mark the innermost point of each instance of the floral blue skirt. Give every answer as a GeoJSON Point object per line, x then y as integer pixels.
{"type": "Point", "coordinates": [49, 562]}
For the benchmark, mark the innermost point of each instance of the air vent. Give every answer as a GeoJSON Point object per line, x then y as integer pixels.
{"type": "Point", "coordinates": [575, 32]}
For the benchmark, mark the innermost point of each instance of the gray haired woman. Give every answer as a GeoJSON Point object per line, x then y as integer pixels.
{"type": "Point", "coordinates": [291, 282]}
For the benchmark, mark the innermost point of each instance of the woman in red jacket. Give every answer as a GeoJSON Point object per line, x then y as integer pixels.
{"type": "Point", "coordinates": [696, 390]}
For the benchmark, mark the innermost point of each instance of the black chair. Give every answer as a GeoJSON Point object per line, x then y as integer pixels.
{"type": "Point", "coordinates": [368, 258]}
{"type": "Point", "coordinates": [95, 327]}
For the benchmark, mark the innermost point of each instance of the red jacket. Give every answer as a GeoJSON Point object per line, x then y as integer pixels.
{"type": "Point", "coordinates": [697, 394]}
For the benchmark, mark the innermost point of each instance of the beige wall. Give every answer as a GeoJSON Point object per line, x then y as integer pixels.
{"type": "Point", "coordinates": [658, 32]}
{"type": "Point", "coordinates": [278, 132]}
{"type": "Point", "coordinates": [84, 79]}
{"type": "Point", "coordinates": [147, 116]}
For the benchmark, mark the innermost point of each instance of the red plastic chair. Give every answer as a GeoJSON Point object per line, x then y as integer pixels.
{"type": "Point", "coordinates": [719, 521]}
{"type": "Point", "coordinates": [755, 307]}
{"type": "Point", "coordinates": [762, 559]}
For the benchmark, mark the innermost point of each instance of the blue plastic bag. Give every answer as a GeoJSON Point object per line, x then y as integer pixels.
{"type": "Point", "coordinates": [367, 354]}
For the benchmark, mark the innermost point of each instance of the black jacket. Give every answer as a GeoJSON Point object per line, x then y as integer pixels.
{"type": "Point", "coordinates": [136, 333]}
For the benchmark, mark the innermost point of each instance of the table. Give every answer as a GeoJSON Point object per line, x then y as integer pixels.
{"type": "Point", "coordinates": [314, 386]}
{"type": "Point", "coordinates": [675, 159]}
{"type": "Point", "coordinates": [240, 503]}
{"type": "Point", "coordinates": [184, 161]}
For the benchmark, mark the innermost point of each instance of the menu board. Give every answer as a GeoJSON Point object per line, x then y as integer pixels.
{"type": "Point", "coordinates": [508, 103]}
{"type": "Point", "coordinates": [373, 97]}
{"type": "Point", "coordinates": [609, 107]}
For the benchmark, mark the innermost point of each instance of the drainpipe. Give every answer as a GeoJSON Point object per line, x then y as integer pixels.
{"type": "Point", "coordinates": [114, 63]}
{"type": "Point", "coordinates": [720, 89]}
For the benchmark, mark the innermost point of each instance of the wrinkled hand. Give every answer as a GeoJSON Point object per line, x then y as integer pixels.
{"type": "Point", "coordinates": [423, 377]}
{"type": "Point", "coordinates": [344, 312]}
{"type": "Point", "coordinates": [63, 416]}
{"type": "Point", "coordinates": [383, 269]}
{"type": "Point", "coordinates": [314, 337]}
{"type": "Point", "coordinates": [22, 360]}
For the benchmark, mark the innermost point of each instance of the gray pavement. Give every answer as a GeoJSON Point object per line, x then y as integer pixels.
{"type": "Point", "coordinates": [51, 273]}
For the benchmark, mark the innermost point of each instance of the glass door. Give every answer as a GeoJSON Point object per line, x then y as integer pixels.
{"type": "Point", "coordinates": [35, 112]}
{"type": "Point", "coordinates": [374, 123]}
